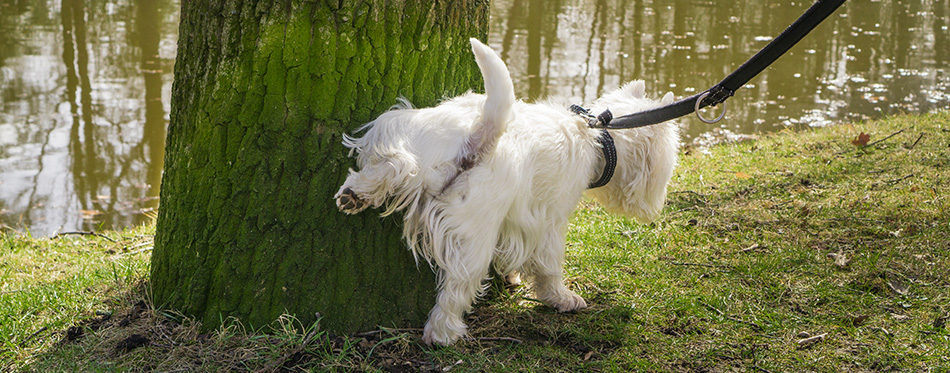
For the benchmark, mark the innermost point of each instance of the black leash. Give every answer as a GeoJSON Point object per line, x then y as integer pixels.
{"type": "Point", "coordinates": [728, 86]}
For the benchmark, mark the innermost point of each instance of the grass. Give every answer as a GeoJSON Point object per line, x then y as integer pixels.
{"type": "Point", "coordinates": [799, 251]}
{"type": "Point", "coordinates": [47, 283]}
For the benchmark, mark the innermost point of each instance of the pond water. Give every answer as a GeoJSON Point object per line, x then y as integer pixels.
{"type": "Point", "coordinates": [85, 84]}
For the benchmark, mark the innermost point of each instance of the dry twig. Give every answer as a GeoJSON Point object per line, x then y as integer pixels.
{"type": "Point", "coordinates": [916, 141]}
{"type": "Point", "coordinates": [27, 339]}
{"type": "Point", "coordinates": [870, 144]}
{"type": "Point", "coordinates": [881, 140]}
{"type": "Point", "coordinates": [811, 340]}
{"type": "Point", "coordinates": [493, 339]}
{"type": "Point", "coordinates": [703, 265]}
{"type": "Point", "coordinates": [82, 233]}
{"type": "Point", "coordinates": [895, 181]}
{"type": "Point", "coordinates": [388, 330]}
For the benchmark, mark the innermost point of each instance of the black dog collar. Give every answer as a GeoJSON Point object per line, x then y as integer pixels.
{"type": "Point", "coordinates": [610, 157]}
{"type": "Point", "coordinates": [606, 144]}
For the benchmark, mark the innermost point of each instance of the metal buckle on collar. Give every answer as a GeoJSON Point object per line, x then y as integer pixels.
{"type": "Point", "coordinates": [600, 121]}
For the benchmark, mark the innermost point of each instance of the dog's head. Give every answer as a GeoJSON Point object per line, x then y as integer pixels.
{"type": "Point", "coordinates": [630, 98]}
{"type": "Point", "coordinates": [646, 156]}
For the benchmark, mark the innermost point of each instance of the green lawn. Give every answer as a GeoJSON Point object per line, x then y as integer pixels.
{"type": "Point", "coordinates": [815, 250]}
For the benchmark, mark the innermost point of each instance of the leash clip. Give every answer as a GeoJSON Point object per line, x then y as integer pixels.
{"type": "Point", "coordinates": [600, 121]}
{"type": "Point", "coordinates": [584, 113]}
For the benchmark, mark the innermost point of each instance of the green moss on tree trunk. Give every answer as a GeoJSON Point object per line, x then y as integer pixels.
{"type": "Point", "coordinates": [263, 92]}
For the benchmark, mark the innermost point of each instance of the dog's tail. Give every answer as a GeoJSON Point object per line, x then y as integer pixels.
{"type": "Point", "coordinates": [499, 97]}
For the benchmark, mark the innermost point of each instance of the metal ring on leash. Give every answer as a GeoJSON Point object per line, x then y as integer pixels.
{"type": "Point", "coordinates": [700, 116]}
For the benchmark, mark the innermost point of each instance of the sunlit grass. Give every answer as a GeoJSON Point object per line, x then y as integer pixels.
{"type": "Point", "coordinates": [47, 284]}
{"type": "Point", "coordinates": [794, 252]}
{"type": "Point", "coordinates": [794, 233]}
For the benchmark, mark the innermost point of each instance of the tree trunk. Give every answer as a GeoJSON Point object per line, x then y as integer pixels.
{"type": "Point", "coordinates": [263, 92]}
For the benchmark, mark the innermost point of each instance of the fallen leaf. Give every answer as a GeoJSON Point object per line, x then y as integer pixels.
{"type": "Point", "coordinates": [742, 175]}
{"type": "Point", "coordinates": [861, 140]}
{"type": "Point", "coordinates": [899, 317]}
{"type": "Point", "coordinates": [859, 320]}
{"type": "Point", "coordinates": [841, 260]}
{"type": "Point", "coordinates": [941, 321]}
{"type": "Point", "coordinates": [750, 248]}
{"type": "Point", "coordinates": [448, 368]}
{"type": "Point", "coordinates": [897, 285]}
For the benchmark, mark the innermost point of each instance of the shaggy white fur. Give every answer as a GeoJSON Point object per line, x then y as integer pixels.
{"type": "Point", "coordinates": [485, 180]}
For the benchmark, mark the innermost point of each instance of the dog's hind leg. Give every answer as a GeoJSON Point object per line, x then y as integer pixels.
{"type": "Point", "coordinates": [513, 278]}
{"type": "Point", "coordinates": [375, 182]}
{"type": "Point", "coordinates": [546, 269]}
{"type": "Point", "coordinates": [462, 277]}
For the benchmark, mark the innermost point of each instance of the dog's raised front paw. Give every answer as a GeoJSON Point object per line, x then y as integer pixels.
{"type": "Point", "coordinates": [348, 202]}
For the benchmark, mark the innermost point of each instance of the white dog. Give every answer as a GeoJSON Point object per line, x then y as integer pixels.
{"type": "Point", "coordinates": [485, 180]}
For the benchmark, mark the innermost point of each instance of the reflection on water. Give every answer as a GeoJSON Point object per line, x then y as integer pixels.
{"type": "Point", "coordinates": [85, 84]}
{"type": "Point", "coordinates": [871, 58]}
{"type": "Point", "coordinates": [83, 109]}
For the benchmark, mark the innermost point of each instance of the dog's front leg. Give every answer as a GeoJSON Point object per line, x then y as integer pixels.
{"type": "Point", "coordinates": [547, 269]}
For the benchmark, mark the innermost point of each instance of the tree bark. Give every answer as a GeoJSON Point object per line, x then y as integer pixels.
{"type": "Point", "coordinates": [263, 92]}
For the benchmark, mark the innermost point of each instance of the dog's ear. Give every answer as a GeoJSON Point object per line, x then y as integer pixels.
{"type": "Point", "coordinates": [635, 88]}
{"type": "Point", "coordinates": [667, 99]}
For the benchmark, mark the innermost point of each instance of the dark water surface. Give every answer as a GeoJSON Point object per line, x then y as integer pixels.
{"type": "Point", "coordinates": [85, 84]}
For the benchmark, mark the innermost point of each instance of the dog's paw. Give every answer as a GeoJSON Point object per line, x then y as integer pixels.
{"type": "Point", "coordinates": [348, 202]}
{"type": "Point", "coordinates": [433, 338]}
{"type": "Point", "coordinates": [569, 302]}
{"type": "Point", "coordinates": [513, 279]}
{"type": "Point", "coordinates": [443, 329]}
{"type": "Point", "coordinates": [444, 337]}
